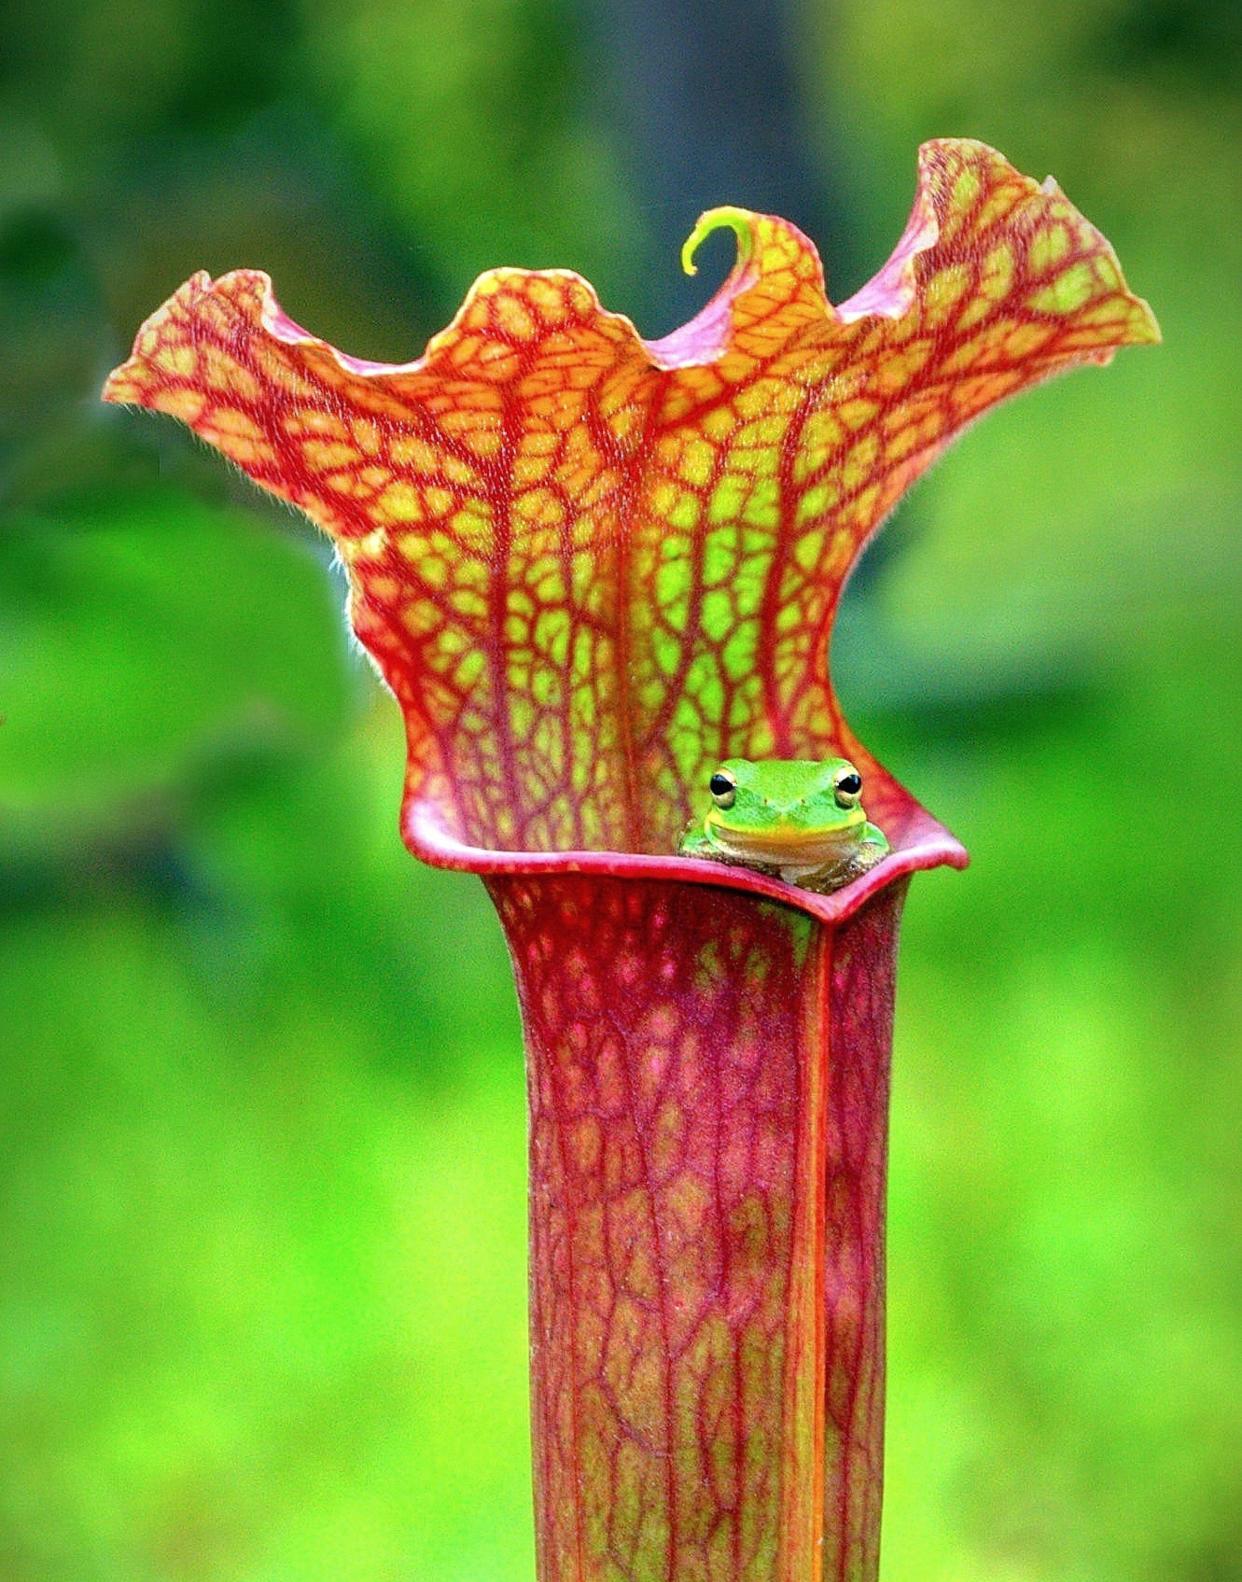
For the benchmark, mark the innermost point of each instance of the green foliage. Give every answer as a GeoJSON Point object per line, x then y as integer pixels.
{"type": "Point", "coordinates": [262, 1296]}
{"type": "Point", "coordinates": [123, 676]}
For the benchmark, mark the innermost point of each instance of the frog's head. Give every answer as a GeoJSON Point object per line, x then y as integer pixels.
{"type": "Point", "coordinates": [771, 811]}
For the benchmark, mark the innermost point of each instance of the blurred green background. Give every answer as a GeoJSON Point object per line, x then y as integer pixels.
{"type": "Point", "coordinates": [261, 1186]}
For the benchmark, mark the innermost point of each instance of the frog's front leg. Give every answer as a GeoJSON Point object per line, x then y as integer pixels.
{"type": "Point", "coordinates": [696, 842]}
{"type": "Point", "coordinates": [872, 848]}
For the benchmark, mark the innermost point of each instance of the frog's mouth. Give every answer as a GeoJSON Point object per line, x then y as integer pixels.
{"type": "Point", "coordinates": [784, 842]}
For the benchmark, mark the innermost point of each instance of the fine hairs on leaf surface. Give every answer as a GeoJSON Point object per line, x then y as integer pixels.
{"type": "Point", "coordinates": [590, 567]}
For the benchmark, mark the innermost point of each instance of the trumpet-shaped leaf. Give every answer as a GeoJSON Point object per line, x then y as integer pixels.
{"type": "Point", "coordinates": [591, 566]}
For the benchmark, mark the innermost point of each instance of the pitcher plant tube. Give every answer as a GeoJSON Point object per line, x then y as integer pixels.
{"type": "Point", "coordinates": [590, 567]}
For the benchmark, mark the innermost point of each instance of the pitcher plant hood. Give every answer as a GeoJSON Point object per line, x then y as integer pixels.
{"type": "Point", "coordinates": [588, 565]}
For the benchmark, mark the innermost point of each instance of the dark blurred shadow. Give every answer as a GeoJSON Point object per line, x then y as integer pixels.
{"type": "Point", "coordinates": [705, 104]}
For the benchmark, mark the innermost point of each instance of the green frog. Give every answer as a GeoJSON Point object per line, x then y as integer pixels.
{"type": "Point", "coordinates": [801, 822]}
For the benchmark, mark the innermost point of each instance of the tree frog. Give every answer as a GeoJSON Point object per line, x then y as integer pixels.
{"type": "Point", "coordinates": [802, 822]}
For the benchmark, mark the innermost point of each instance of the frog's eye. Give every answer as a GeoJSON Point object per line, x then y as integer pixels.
{"type": "Point", "coordinates": [847, 786]}
{"type": "Point", "coordinates": [723, 788]}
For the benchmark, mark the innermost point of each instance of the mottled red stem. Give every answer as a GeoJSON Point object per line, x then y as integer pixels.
{"type": "Point", "coordinates": [708, 1096]}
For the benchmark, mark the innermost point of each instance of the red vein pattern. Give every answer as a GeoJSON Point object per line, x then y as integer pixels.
{"type": "Point", "coordinates": [708, 1095]}
{"type": "Point", "coordinates": [590, 566]}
